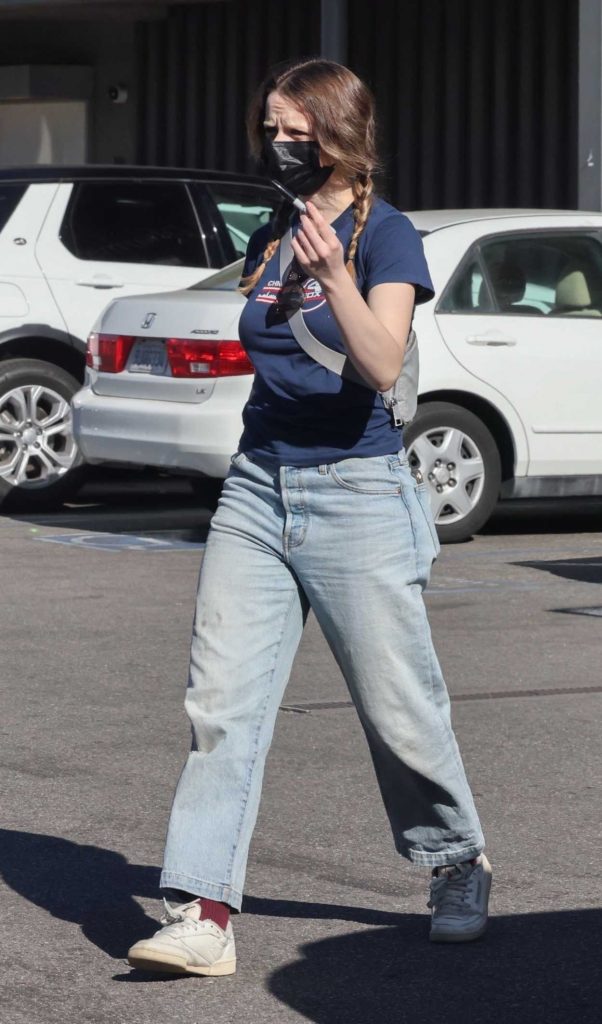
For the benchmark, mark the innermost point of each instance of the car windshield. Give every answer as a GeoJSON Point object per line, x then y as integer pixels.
{"type": "Point", "coordinates": [226, 279]}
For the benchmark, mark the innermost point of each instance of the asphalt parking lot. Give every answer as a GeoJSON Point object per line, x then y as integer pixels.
{"type": "Point", "coordinates": [96, 615]}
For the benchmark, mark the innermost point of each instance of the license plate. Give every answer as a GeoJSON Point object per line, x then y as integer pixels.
{"type": "Point", "coordinates": [148, 357]}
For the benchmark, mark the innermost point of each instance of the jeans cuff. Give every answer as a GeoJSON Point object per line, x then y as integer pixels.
{"type": "Point", "coordinates": [218, 891]}
{"type": "Point", "coordinates": [451, 855]}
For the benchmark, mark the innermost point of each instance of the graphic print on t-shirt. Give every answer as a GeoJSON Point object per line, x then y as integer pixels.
{"type": "Point", "coordinates": [314, 296]}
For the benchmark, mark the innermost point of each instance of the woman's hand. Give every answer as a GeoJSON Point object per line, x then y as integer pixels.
{"type": "Point", "coordinates": [317, 248]}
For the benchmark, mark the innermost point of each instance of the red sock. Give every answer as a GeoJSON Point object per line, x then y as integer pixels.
{"type": "Point", "coordinates": [213, 911]}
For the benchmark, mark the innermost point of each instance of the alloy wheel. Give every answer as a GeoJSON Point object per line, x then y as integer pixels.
{"type": "Point", "coordinates": [453, 468]}
{"type": "Point", "coordinates": [36, 436]}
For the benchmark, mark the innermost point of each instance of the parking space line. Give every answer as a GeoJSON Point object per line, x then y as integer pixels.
{"type": "Point", "coordinates": [436, 589]}
{"type": "Point", "coordinates": [122, 542]}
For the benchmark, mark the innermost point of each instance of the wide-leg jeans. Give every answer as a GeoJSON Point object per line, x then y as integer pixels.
{"type": "Point", "coordinates": [355, 541]}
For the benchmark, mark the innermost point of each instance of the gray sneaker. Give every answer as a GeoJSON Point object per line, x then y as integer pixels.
{"type": "Point", "coordinates": [459, 901]}
{"type": "Point", "coordinates": [186, 945]}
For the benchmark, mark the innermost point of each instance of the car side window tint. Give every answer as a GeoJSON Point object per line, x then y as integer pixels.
{"type": "Point", "coordinates": [546, 274]}
{"type": "Point", "coordinates": [468, 291]}
{"type": "Point", "coordinates": [9, 199]}
{"type": "Point", "coordinates": [245, 208]}
{"type": "Point", "coordinates": [133, 222]}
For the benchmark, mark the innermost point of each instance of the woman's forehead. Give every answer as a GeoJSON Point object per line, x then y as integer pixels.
{"type": "Point", "coordinates": [281, 107]}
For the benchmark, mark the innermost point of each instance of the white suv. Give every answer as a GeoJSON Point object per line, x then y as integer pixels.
{"type": "Point", "coordinates": [72, 239]}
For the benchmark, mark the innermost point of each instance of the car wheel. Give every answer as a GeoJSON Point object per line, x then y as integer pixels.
{"type": "Point", "coordinates": [40, 463]}
{"type": "Point", "coordinates": [459, 462]}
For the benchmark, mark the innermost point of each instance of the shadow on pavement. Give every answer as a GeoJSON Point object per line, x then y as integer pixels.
{"type": "Point", "coordinates": [94, 888]}
{"type": "Point", "coordinates": [584, 570]}
{"type": "Point", "coordinates": [263, 907]}
{"type": "Point", "coordinates": [128, 502]}
{"type": "Point", "coordinates": [532, 968]}
{"type": "Point", "coordinates": [88, 885]}
{"type": "Point", "coordinates": [545, 515]}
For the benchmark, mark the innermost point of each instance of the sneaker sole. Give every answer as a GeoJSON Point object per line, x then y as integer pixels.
{"type": "Point", "coordinates": [458, 936]}
{"type": "Point", "coordinates": [148, 960]}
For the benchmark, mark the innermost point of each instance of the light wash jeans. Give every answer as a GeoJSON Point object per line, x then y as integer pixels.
{"type": "Point", "coordinates": [354, 540]}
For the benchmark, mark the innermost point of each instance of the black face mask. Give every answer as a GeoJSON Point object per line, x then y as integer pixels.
{"type": "Point", "coordinates": [296, 165]}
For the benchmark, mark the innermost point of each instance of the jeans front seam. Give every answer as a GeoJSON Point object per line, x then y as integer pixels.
{"type": "Point", "coordinates": [289, 538]}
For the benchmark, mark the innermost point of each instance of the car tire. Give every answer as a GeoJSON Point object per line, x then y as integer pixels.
{"type": "Point", "coordinates": [459, 461]}
{"type": "Point", "coordinates": [40, 464]}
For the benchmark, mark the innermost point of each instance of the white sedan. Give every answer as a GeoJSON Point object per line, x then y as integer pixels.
{"type": "Point", "coordinates": [511, 365]}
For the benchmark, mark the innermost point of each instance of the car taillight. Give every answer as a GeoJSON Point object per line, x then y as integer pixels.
{"type": "Point", "coordinates": [108, 353]}
{"type": "Point", "coordinates": [207, 358]}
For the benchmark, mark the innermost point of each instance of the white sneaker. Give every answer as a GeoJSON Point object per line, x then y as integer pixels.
{"type": "Point", "coordinates": [459, 900]}
{"type": "Point", "coordinates": [186, 945]}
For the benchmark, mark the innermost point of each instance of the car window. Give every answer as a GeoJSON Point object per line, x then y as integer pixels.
{"type": "Point", "coordinates": [468, 291]}
{"type": "Point", "coordinates": [545, 274]}
{"type": "Point", "coordinates": [245, 208]}
{"type": "Point", "coordinates": [531, 274]}
{"type": "Point", "coordinates": [9, 199]}
{"type": "Point", "coordinates": [133, 222]}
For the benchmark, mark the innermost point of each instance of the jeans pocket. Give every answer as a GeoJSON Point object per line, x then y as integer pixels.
{"type": "Point", "coordinates": [424, 501]}
{"type": "Point", "coordinates": [372, 475]}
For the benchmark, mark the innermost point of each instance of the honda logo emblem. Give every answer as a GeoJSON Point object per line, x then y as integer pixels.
{"type": "Point", "coordinates": [148, 321]}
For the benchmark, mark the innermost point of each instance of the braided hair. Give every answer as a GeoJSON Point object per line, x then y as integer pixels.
{"type": "Point", "coordinates": [363, 198]}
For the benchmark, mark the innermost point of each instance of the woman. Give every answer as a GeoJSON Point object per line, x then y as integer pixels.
{"type": "Point", "coordinates": [319, 506]}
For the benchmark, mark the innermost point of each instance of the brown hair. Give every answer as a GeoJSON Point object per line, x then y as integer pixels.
{"type": "Point", "coordinates": [340, 111]}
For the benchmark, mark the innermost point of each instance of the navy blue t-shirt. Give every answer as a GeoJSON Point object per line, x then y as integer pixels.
{"type": "Point", "coordinates": [299, 413]}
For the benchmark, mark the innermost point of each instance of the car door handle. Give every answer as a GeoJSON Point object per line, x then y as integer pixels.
{"type": "Point", "coordinates": [100, 281]}
{"type": "Point", "coordinates": [491, 340]}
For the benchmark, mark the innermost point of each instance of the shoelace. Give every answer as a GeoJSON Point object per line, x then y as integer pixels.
{"type": "Point", "coordinates": [177, 916]}
{"type": "Point", "coordinates": [451, 889]}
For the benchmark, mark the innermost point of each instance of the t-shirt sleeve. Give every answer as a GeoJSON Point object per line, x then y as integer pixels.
{"type": "Point", "coordinates": [395, 254]}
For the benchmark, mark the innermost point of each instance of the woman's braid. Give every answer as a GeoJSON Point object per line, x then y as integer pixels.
{"type": "Point", "coordinates": [280, 225]}
{"type": "Point", "coordinates": [363, 188]}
